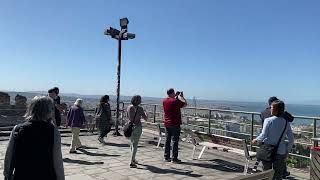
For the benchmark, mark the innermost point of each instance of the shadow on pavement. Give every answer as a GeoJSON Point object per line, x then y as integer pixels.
{"type": "Point", "coordinates": [157, 170]}
{"type": "Point", "coordinates": [82, 147]}
{"type": "Point", "coordinates": [119, 145]}
{"type": "Point", "coordinates": [217, 164]}
{"type": "Point", "coordinates": [97, 154]}
{"type": "Point", "coordinates": [76, 161]}
{"type": "Point", "coordinates": [291, 178]}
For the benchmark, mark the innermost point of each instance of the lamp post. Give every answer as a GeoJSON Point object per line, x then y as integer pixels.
{"type": "Point", "coordinates": [119, 35]}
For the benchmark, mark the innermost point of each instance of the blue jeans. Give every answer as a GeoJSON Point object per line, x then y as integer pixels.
{"type": "Point", "coordinates": [172, 132]}
{"type": "Point", "coordinates": [135, 137]}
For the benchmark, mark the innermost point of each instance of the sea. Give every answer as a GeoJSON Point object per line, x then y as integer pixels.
{"type": "Point", "coordinates": [294, 109]}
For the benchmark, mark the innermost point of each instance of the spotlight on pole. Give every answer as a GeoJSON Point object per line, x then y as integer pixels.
{"type": "Point", "coordinates": [119, 35]}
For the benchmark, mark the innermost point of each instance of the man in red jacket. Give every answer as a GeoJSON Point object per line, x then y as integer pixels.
{"type": "Point", "coordinates": [172, 120]}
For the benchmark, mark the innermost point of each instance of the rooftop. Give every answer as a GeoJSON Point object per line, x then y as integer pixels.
{"type": "Point", "coordinates": [111, 161]}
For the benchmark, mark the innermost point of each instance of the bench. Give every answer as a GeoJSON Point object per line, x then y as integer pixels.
{"type": "Point", "coordinates": [161, 133]}
{"type": "Point", "coordinates": [196, 141]}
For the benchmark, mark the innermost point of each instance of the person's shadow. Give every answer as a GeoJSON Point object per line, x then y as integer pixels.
{"type": "Point", "coordinates": [97, 154]}
{"type": "Point", "coordinates": [157, 170]}
{"type": "Point", "coordinates": [82, 147]}
{"type": "Point", "coordinates": [76, 161]}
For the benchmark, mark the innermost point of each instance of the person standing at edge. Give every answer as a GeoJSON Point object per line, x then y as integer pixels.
{"type": "Point", "coordinates": [172, 120]}
{"type": "Point", "coordinates": [267, 113]}
{"type": "Point", "coordinates": [271, 134]}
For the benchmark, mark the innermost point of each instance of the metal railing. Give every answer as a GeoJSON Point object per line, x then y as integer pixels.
{"type": "Point", "coordinates": [205, 120]}
{"type": "Point", "coordinates": [218, 121]}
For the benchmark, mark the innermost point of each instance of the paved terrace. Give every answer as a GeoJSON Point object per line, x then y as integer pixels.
{"type": "Point", "coordinates": [111, 161]}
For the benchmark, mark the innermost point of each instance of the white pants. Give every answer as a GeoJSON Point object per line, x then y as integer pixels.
{"type": "Point", "coordinates": [75, 143]}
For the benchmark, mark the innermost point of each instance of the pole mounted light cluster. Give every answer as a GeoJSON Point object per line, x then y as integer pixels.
{"type": "Point", "coordinates": [119, 35]}
{"type": "Point", "coordinates": [123, 33]}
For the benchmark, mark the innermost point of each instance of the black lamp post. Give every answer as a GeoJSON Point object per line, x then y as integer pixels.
{"type": "Point", "coordinates": [119, 35]}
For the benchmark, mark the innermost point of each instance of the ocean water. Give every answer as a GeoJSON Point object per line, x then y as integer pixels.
{"type": "Point", "coordinates": [294, 109]}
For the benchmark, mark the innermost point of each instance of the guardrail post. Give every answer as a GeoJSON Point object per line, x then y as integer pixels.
{"type": "Point", "coordinates": [154, 113]}
{"type": "Point", "coordinates": [252, 129]}
{"type": "Point", "coordinates": [314, 133]}
{"type": "Point", "coordinates": [209, 122]}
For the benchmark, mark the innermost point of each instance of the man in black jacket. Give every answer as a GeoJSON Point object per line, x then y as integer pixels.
{"type": "Point", "coordinates": [53, 93]}
{"type": "Point", "coordinates": [267, 113]}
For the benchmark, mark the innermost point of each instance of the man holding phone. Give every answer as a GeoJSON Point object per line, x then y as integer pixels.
{"type": "Point", "coordinates": [172, 120]}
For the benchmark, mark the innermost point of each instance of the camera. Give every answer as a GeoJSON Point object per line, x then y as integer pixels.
{"type": "Point", "coordinates": [179, 93]}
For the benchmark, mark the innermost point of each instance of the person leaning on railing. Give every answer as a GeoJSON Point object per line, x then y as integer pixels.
{"type": "Point", "coordinates": [34, 149]}
{"type": "Point", "coordinates": [270, 135]}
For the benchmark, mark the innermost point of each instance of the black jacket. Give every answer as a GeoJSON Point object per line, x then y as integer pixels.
{"type": "Point", "coordinates": [34, 151]}
{"type": "Point", "coordinates": [267, 113]}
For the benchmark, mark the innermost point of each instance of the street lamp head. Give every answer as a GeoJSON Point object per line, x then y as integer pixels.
{"type": "Point", "coordinates": [114, 33]}
{"type": "Point", "coordinates": [127, 36]}
{"type": "Point", "coordinates": [124, 23]}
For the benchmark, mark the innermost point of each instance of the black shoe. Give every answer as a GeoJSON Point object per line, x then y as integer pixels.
{"type": "Point", "coordinates": [167, 159]}
{"type": "Point", "coordinates": [286, 174]}
{"type": "Point", "coordinates": [177, 161]}
{"type": "Point", "coordinates": [73, 152]}
{"type": "Point", "coordinates": [133, 165]}
{"type": "Point", "coordinates": [80, 147]}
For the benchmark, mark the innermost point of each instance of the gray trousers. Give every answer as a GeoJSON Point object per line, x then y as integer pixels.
{"type": "Point", "coordinates": [135, 137]}
{"type": "Point", "coordinates": [278, 165]}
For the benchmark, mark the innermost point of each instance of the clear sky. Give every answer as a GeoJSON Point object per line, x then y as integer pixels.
{"type": "Point", "coordinates": [212, 49]}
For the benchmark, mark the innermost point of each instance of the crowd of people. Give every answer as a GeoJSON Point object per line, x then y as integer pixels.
{"type": "Point", "coordinates": [34, 149]}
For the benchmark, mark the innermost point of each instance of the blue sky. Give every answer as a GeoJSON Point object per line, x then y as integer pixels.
{"type": "Point", "coordinates": [222, 50]}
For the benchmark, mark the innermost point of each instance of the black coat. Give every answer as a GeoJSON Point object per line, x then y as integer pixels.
{"type": "Point", "coordinates": [267, 113]}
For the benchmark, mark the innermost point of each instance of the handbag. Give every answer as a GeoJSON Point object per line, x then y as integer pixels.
{"type": "Point", "coordinates": [267, 152]}
{"type": "Point", "coordinates": [128, 127]}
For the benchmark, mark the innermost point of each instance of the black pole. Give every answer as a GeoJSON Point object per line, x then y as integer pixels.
{"type": "Point", "coordinates": [116, 133]}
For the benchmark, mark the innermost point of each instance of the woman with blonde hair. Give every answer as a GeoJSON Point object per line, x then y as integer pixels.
{"type": "Point", "coordinates": [135, 113]}
{"type": "Point", "coordinates": [76, 120]}
{"type": "Point", "coordinates": [34, 149]}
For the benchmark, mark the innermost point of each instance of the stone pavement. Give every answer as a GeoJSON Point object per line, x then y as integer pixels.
{"type": "Point", "coordinates": [111, 161]}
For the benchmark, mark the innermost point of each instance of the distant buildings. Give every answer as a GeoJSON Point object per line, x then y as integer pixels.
{"type": "Point", "coordinates": [4, 99]}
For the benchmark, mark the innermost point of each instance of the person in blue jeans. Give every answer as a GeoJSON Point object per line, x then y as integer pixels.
{"type": "Point", "coordinates": [135, 113]}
